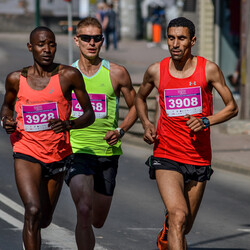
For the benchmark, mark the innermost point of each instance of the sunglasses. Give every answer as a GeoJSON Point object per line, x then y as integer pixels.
{"type": "Point", "coordinates": [87, 38]}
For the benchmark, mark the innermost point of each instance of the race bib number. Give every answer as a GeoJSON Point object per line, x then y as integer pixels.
{"type": "Point", "coordinates": [35, 117]}
{"type": "Point", "coordinates": [179, 102]}
{"type": "Point", "coordinates": [98, 102]}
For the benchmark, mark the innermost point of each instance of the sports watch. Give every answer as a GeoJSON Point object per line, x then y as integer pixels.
{"type": "Point", "coordinates": [205, 122]}
{"type": "Point", "coordinates": [2, 120]}
{"type": "Point", "coordinates": [121, 132]}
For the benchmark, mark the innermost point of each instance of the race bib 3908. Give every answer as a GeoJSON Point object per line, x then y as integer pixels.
{"type": "Point", "coordinates": [182, 101]}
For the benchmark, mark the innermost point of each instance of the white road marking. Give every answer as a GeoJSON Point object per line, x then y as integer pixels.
{"type": "Point", "coordinates": [11, 220]}
{"type": "Point", "coordinates": [247, 230]}
{"type": "Point", "coordinates": [2, 88]}
{"type": "Point", "coordinates": [53, 235]}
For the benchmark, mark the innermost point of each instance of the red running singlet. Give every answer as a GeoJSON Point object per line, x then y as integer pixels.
{"type": "Point", "coordinates": [178, 97]}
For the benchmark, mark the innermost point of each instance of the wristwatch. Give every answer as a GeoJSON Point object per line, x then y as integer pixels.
{"type": "Point", "coordinates": [121, 132]}
{"type": "Point", "coordinates": [2, 120]}
{"type": "Point", "coordinates": [205, 122]}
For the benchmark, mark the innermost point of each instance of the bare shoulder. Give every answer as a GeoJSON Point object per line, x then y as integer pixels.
{"type": "Point", "coordinates": [68, 71]}
{"type": "Point", "coordinates": [12, 79]}
{"type": "Point", "coordinates": [117, 70]}
{"type": "Point", "coordinates": [212, 68]}
{"type": "Point", "coordinates": [152, 74]}
{"type": "Point", "coordinates": [14, 75]}
{"type": "Point", "coordinates": [119, 76]}
{"type": "Point", "coordinates": [153, 69]}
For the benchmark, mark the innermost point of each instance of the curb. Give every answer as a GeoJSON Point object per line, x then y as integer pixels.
{"type": "Point", "coordinates": [229, 166]}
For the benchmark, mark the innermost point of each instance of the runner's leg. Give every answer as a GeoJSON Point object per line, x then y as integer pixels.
{"type": "Point", "coordinates": [101, 206]}
{"type": "Point", "coordinates": [28, 179]}
{"type": "Point", "coordinates": [171, 187]}
{"type": "Point", "coordinates": [194, 192]}
{"type": "Point", "coordinates": [50, 192]}
{"type": "Point", "coordinates": [81, 187]}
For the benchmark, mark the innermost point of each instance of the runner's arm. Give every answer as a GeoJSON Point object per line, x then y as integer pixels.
{"type": "Point", "coordinates": [150, 80]}
{"type": "Point", "coordinates": [7, 109]}
{"type": "Point", "coordinates": [121, 78]}
{"type": "Point", "coordinates": [216, 79]}
{"type": "Point", "coordinates": [73, 80]}
{"type": "Point", "coordinates": [82, 96]}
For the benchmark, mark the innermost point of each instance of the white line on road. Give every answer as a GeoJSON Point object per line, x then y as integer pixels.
{"type": "Point", "coordinates": [244, 230]}
{"type": "Point", "coordinates": [53, 235]}
{"type": "Point", "coordinates": [2, 88]}
{"type": "Point", "coordinates": [11, 220]}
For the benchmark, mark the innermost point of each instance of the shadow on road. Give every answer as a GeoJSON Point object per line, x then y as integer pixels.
{"type": "Point", "coordinates": [224, 238]}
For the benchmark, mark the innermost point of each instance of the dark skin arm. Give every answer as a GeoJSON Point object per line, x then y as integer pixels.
{"type": "Point", "coordinates": [7, 110]}
{"type": "Point", "coordinates": [71, 79]}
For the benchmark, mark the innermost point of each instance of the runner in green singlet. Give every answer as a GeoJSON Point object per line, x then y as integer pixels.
{"type": "Point", "coordinates": [97, 148]}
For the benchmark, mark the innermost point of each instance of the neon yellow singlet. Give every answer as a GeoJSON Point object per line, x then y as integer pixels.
{"type": "Point", "coordinates": [105, 103]}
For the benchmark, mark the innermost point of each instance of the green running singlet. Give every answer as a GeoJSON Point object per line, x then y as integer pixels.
{"type": "Point", "coordinates": [90, 140]}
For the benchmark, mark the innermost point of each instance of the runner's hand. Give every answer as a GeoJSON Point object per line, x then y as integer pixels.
{"type": "Point", "coordinates": [112, 137]}
{"type": "Point", "coordinates": [9, 125]}
{"type": "Point", "coordinates": [58, 125]}
{"type": "Point", "coordinates": [149, 133]}
{"type": "Point", "coordinates": [195, 124]}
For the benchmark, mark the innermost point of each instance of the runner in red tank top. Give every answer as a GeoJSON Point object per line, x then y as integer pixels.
{"type": "Point", "coordinates": [41, 96]}
{"type": "Point", "coordinates": [181, 162]}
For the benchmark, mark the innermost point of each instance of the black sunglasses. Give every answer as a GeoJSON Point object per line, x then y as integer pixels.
{"type": "Point", "coordinates": [87, 38]}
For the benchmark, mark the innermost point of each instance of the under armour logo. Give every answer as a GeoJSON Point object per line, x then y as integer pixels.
{"type": "Point", "coordinates": [51, 91]}
{"type": "Point", "coordinates": [190, 83]}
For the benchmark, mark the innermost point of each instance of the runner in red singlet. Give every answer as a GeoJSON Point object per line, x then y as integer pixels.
{"type": "Point", "coordinates": [41, 97]}
{"type": "Point", "coordinates": [181, 162]}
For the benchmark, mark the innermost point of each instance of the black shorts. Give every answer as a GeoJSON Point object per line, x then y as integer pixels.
{"type": "Point", "coordinates": [48, 169]}
{"type": "Point", "coordinates": [189, 172]}
{"type": "Point", "coordinates": [103, 168]}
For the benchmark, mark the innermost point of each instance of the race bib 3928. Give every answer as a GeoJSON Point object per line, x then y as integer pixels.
{"type": "Point", "coordinates": [35, 117]}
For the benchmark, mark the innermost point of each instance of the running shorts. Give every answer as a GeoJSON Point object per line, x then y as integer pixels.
{"type": "Point", "coordinates": [189, 172]}
{"type": "Point", "coordinates": [103, 169]}
{"type": "Point", "coordinates": [48, 169]}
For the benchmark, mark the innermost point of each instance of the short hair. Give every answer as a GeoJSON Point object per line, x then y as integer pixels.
{"type": "Point", "coordinates": [39, 28]}
{"type": "Point", "coordinates": [88, 21]}
{"type": "Point", "coordinates": [183, 22]}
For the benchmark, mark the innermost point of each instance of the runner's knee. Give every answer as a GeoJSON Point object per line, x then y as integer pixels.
{"type": "Point", "coordinates": [98, 223]}
{"type": "Point", "coordinates": [84, 211]}
{"type": "Point", "coordinates": [32, 214]}
{"type": "Point", "coordinates": [178, 219]}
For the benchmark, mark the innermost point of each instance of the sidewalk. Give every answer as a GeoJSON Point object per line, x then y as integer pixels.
{"type": "Point", "coordinates": [230, 140]}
